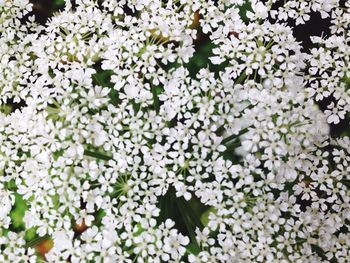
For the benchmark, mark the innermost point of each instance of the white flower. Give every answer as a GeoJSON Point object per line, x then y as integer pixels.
{"type": "Point", "coordinates": [333, 114]}
{"type": "Point", "coordinates": [108, 128]}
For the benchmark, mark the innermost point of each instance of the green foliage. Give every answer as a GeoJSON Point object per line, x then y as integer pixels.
{"type": "Point", "coordinates": [186, 215]}
{"type": "Point", "coordinates": [57, 4]}
{"type": "Point", "coordinates": [17, 213]}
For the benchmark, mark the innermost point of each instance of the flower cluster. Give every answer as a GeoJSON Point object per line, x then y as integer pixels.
{"type": "Point", "coordinates": [329, 67]}
{"type": "Point", "coordinates": [120, 149]}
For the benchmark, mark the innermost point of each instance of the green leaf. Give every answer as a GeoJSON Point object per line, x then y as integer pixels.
{"type": "Point", "coordinates": [58, 3]}
{"type": "Point", "coordinates": [17, 213]}
{"type": "Point", "coordinates": [192, 213]}
{"type": "Point", "coordinates": [205, 216]}
{"type": "Point", "coordinates": [189, 225]}
{"type": "Point", "coordinates": [234, 136]}
{"type": "Point", "coordinates": [36, 241]}
{"type": "Point", "coordinates": [200, 59]}
{"type": "Point", "coordinates": [30, 234]}
{"type": "Point", "coordinates": [156, 91]}
{"type": "Point", "coordinates": [11, 185]}
{"type": "Point", "coordinates": [243, 10]}
{"type": "Point", "coordinates": [97, 155]}
{"type": "Point", "coordinates": [193, 249]}
{"type": "Point", "coordinates": [99, 216]}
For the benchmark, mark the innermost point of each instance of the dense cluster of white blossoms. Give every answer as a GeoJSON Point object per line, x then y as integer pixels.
{"type": "Point", "coordinates": [104, 124]}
